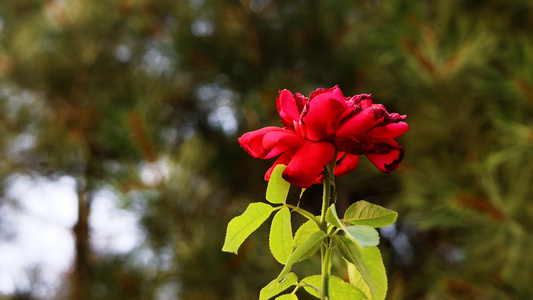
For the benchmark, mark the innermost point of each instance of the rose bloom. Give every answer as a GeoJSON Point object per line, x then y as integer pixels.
{"type": "Point", "coordinates": [315, 128]}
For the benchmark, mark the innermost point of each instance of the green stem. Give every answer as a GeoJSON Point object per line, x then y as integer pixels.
{"type": "Point", "coordinates": [305, 213]}
{"type": "Point", "coordinates": [326, 250]}
{"type": "Point", "coordinates": [325, 201]}
{"type": "Point", "coordinates": [328, 181]}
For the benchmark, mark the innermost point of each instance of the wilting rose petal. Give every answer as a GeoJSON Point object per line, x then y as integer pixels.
{"type": "Point", "coordinates": [386, 155]}
{"type": "Point", "coordinates": [308, 163]}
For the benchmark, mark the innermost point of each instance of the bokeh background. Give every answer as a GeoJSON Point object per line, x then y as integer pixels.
{"type": "Point", "coordinates": [119, 161]}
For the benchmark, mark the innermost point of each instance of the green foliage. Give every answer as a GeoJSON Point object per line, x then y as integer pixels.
{"type": "Point", "coordinates": [333, 218]}
{"type": "Point", "coordinates": [309, 247]}
{"type": "Point", "coordinates": [340, 289]}
{"type": "Point", "coordinates": [308, 239]}
{"type": "Point", "coordinates": [365, 236]}
{"type": "Point", "coordinates": [287, 297]}
{"type": "Point", "coordinates": [374, 263]}
{"type": "Point", "coordinates": [303, 233]}
{"type": "Point", "coordinates": [281, 240]}
{"type": "Point", "coordinates": [277, 188]}
{"type": "Point", "coordinates": [276, 286]}
{"type": "Point", "coordinates": [239, 228]}
{"type": "Point", "coordinates": [352, 253]}
{"type": "Point", "coordinates": [364, 213]}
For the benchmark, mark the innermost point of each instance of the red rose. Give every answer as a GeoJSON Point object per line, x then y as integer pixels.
{"type": "Point", "coordinates": [315, 127]}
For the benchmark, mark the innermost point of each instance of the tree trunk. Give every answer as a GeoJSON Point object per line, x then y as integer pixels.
{"type": "Point", "coordinates": [80, 273]}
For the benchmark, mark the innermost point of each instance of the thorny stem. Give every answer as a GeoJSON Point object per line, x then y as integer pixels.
{"type": "Point", "coordinates": [325, 201]}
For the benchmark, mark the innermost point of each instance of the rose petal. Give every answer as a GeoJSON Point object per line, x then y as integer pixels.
{"type": "Point", "coordinates": [322, 112]}
{"type": "Point", "coordinates": [283, 159]}
{"type": "Point", "coordinates": [269, 142]}
{"type": "Point", "coordinates": [391, 131]}
{"type": "Point", "coordinates": [349, 112]}
{"type": "Point", "coordinates": [361, 122]}
{"type": "Point", "coordinates": [287, 107]}
{"type": "Point", "coordinates": [319, 179]}
{"type": "Point", "coordinates": [386, 155]}
{"type": "Point", "coordinates": [351, 145]}
{"type": "Point", "coordinates": [365, 100]}
{"type": "Point", "coordinates": [308, 162]}
{"type": "Point", "coordinates": [347, 165]}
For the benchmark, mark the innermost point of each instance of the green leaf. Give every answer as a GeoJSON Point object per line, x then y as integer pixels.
{"type": "Point", "coordinates": [365, 236]}
{"type": "Point", "coordinates": [240, 227]}
{"type": "Point", "coordinates": [277, 286]}
{"type": "Point", "coordinates": [313, 284]}
{"type": "Point", "coordinates": [304, 251]}
{"type": "Point", "coordinates": [305, 230]}
{"type": "Point", "coordinates": [374, 262]}
{"type": "Point", "coordinates": [338, 288]}
{"type": "Point", "coordinates": [365, 213]}
{"type": "Point", "coordinates": [280, 240]}
{"type": "Point", "coordinates": [352, 253]}
{"type": "Point", "coordinates": [277, 188]}
{"type": "Point", "coordinates": [332, 217]}
{"type": "Point", "coordinates": [287, 297]}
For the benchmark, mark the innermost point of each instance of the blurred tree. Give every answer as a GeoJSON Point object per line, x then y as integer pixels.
{"type": "Point", "coordinates": [107, 91]}
{"type": "Point", "coordinates": [459, 69]}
